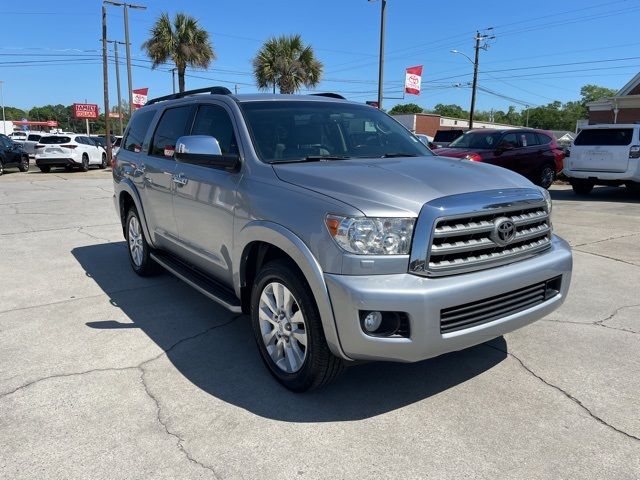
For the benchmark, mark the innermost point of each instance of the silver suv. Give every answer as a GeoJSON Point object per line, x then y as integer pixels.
{"type": "Point", "coordinates": [340, 234]}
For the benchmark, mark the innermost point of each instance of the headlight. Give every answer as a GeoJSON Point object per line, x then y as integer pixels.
{"type": "Point", "coordinates": [371, 236]}
{"type": "Point", "coordinates": [547, 199]}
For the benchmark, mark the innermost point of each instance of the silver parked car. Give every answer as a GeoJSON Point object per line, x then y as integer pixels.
{"type": "Point", "coordinates": [340, 234]}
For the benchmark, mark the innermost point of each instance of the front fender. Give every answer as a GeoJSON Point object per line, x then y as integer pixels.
{"type": "Point", "coordinates": [278, 236]}
{"type": "Point", "coordinates": [126, 185]}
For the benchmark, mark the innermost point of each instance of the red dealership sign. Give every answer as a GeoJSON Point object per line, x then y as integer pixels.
{"type": "Point", "coordinates": [139, 97]}
{"type": "Point", "coordinates": [85, 110]}
{"type": "Point", "coordinates": [413, 80]}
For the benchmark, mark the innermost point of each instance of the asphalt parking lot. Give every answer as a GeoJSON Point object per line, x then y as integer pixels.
{"type": "Point", "coordinates": [107, 375]}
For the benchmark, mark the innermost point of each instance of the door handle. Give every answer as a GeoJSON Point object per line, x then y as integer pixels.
{"type": "Point", "coordinates": [139, 170]}
{"type": "Point", "coordinates": [179, 179]}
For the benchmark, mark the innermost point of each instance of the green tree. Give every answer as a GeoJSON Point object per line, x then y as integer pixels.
{"type": "Point", "coordinates": [13, 113]}
{"type": "Point", "coordinates": [406, 108]}
{"type": "Point", "coordinates": [591, 93]}
{"type": "Point", "coordinates": [450, 110]}
{"type": "Point", "coordinates": [288, 63]}
{"type": "Point", "coordinates": [181, 41]}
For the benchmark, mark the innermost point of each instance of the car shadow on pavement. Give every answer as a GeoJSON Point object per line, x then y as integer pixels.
{"type": "Point", "coordinates": [598, 194]}
{"type": "Point", "coordinates": [224, 361]}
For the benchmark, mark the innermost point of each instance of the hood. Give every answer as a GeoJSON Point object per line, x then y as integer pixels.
{"type": "Point", "coordinates": [457, 152]}
{"type": "Point", "coordinates": [397, 186]}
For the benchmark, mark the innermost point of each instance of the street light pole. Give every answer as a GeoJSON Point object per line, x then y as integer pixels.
{"type": "Point", "coordinates": [126, 7]}
{"type": "Point", "coordinates": [105, 74]}
{"type": "Point", "coordinates": [383, 14]}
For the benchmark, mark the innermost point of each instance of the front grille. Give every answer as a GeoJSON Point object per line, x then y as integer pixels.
{"type": "Point", "coordinates": [489, 309]}
{"type": "Point", "coordinates": [467, 243]}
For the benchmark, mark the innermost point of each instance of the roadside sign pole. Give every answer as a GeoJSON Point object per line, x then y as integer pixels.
{"type": "Point", "coordinates": [105, 74]}
{"type": "Point", "coordinates": [87, 122]}
{"type": "Point", "coordinates": [4, 125]}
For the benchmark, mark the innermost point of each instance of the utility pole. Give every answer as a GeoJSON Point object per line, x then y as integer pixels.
{"type": "Point", "coordinates": [475, 80]}
{"type": "Point", "coordinates": [527, 115]}
{"type": "Point", "coordinates": [4, 127]}
{"type": "Point", "coordinates": [115, 51]}
{"type": "Point", "coordinates": [105, 74]}
{"type": "Point", "coordinates": [126, 7]}
{"type": "Point", "coordinates": [173, 79]}
{"type": "Point", "coordinates": [383, 14]}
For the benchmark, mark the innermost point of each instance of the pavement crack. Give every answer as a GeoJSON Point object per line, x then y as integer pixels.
{"type": "Point", "coordinates": [65, 375]}
{"type": "Point", "coordinates": [96, 237]}
{"type": "Point", "coordinates": [605, 256]}
{"type": "Point", "coordinates": [606, 240]}
{"type": "Point", "coordinates": [566, 394]}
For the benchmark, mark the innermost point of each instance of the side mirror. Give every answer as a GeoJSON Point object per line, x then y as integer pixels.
{"type": "Point", "coordinates": [205, 151]}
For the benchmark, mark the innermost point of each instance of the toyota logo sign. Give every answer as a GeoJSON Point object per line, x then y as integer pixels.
{"type": "Point", "coordinates": [504, 231]}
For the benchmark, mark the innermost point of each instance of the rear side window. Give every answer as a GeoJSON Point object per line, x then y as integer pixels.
{"type": "Point", "coordinates": [55, 140]}
{"type": "Point", "coordinates": [604, 136]}
{"type": "Point", "coordinates": [510, 139]}
{"type": "Point", "coordinates": [528, 139]}
{"type": "Point", "coordinates": [172, 125]}
{"type": "Point", "coordinates": [544, 139]}
{"type": "Point", "coordinates": [214, 121]}
{"type": "Point", "coordinates": [137, 131]}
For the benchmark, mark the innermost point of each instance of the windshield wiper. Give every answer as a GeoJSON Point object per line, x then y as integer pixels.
{"type": "Point", "coordinates": [398, 154]}
{"type": "Point", "coordinates": [312, 158]}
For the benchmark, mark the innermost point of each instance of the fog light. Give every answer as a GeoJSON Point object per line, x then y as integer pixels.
{"type": "Point", "coordinates": [372, 321]}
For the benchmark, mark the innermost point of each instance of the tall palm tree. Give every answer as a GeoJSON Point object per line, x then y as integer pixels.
{"type": "Point", "coordinates": [181, 41]}
{"type": "Point", "coordinates": [287, 62]}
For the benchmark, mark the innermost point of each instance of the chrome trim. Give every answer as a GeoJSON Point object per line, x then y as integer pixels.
{"type": "Point", "coordinates": [470, 205]}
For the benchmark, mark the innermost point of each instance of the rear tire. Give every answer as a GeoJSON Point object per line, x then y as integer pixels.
{"type": "Point", "coordinates": [1, 168]}
{"type": "Point", "coordinates": [103, 163]}
{"type": "Point", "coordinates": [546, 176]}
{"type": "Point", "coordinates": [44, 169]}
{"type": "Point", "coordinates": [139, 250]}
{"type": "Point", "coordinates": [582, 186]}
{"type": "Point", "coordinates": [282, 328]}
{"type": "Point", "coordinates": [24, 165]}
{"type": "Point", "coordinates": [84, 167]}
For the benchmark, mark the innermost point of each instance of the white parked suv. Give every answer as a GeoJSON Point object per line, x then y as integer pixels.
{"type": "Point", "coordinates": [69, 151]}
{"type": "Point", "coordinates": [604, 155]}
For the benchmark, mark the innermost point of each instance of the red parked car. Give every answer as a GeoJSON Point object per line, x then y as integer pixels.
{"type": "Point", "coordinates": [531, 153]}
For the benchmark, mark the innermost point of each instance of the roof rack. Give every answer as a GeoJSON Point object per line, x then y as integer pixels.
{"type": "Point", "coordinates": [174, 96]}
{"type": "Point", "coordinates": [330, 95]}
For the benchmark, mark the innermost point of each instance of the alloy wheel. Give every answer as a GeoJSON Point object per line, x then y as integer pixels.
{"type": "Point", "coordinates": [283, 328]}
{"type": "Point", "coordinates": [135, 241]}
{"type": "Point", "coordinates": [546, 178]}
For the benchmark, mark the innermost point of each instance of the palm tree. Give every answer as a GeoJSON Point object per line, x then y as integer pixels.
{"type": "Point", "coordinates": [181, 41]}
{"type": "Point", "coordinates": [287, 62]}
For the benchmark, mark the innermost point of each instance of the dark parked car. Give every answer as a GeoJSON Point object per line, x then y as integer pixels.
{"type": "Point", "coordinates": [12, 155]}
{"type": "Point", "coordinates": [531, 153]}
{"type": "Point", "coordinates": [443, 138]}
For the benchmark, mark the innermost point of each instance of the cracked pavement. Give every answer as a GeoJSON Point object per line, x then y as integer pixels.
{"type": "Point", "coordinates": [107, 375]}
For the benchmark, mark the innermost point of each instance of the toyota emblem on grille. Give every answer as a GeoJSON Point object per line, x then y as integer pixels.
{"type": "Point", "coordinates": [504, 231]}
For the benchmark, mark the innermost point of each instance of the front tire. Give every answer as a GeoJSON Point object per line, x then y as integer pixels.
{"type": "Point", "coordinates": [633, 187]}
{"type": "Point", "coordinates": [139, 250]}
{"type": "Point", "coordinates": [582, 186]}
{"type": "Point", "coordinates": [288, 330]}
{"type": "Point", "coordinates": [24, 165]}
{"type": "Point", "coordinates": [44, 169]}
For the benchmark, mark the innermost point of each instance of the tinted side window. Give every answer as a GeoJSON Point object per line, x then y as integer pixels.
{"type": "Point", "coordinates": [214, 121]}
{"type": "Point", "coordinates": [510, 139]}
{"type": "Point", "coordinates": [544, 139]}
{"type": "Point", "coordinates": [80, 140]}
{"type": "Point", "coordinates": [528, 139]}
{"type": "Point", "coordinates": [137, 131]}
{"type": "Point", "coordinates": [172, 125]}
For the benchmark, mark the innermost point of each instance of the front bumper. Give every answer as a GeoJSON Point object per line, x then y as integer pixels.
{"type": "Point", "coordinates": [423, 299]}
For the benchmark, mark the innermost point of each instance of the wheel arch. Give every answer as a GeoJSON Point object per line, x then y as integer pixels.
{"type": "Point", "coordinates": [127, 197]}
{"type": "Point", "coordinates": [261, 241]}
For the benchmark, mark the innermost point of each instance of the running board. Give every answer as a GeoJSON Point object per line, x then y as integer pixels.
{"type": "Point", "coordinates": [205, 285]}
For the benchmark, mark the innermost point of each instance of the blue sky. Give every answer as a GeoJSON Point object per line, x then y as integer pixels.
{"type": "Point", "coordinates": [530, 36]}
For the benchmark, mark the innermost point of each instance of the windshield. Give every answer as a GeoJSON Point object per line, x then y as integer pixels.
{"type": "Point", "coordinates": [447, 135]}
{"type": "Point", "coordinates": [604, 137]}
{"type": "Point", "coordinates": [292, 131]}
{"type": "Point", "coordinates": [477, 140]}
